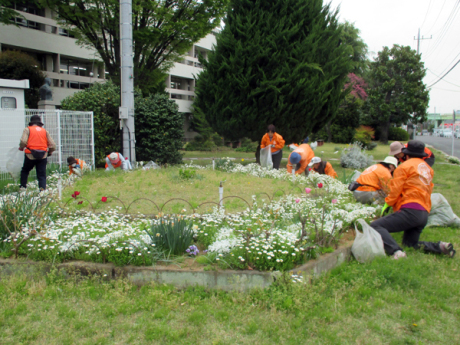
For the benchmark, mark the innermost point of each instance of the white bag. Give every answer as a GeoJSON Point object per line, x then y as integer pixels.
{"type": "Point", "coordinates": [441, 213]}
{"type": "Point", "coordinates": [14, 162]}
{"type": "Point", "coordinates": [356, 175]}
{"type": "Point", "coordinates": [368, 244]}
{"type": "Point", "coordinates": [151, 165]}
{"type": "Point", "coordinates": [266, 157]}
{"type": "Point", "coordinates": [292, 147]}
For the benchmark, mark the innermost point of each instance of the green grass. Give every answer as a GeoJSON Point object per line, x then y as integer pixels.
{"type": "Point", "coordinates": [162, 185]}
{"type": "Point", "coordinates": [411, 301]}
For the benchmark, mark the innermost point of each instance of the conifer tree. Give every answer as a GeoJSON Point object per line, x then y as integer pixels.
{"type": "Point", "coordinates": [275, 61]}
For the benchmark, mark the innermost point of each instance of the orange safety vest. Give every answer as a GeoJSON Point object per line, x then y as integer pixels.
{"type": "Point", "coordinates": [116, 165]}
{"type": "Point", "coordinates": [37, 139]}
{"type": "Point", "coordinates": [306, 154]}
{"type": "Point", "coordinates": [374, 178]}
{"type": "Point", "coordinates": [79, 162]}
{"type": "Point", "coordinates": [278, 139]}
{"type": "Point", "coordinates": [327, 169]}
{"type": "Point", "coordinates": [411, 183]}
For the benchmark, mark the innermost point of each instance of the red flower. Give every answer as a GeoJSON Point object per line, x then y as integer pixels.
{"type": "Point", "coordinates": [309, 169]}
{"type": "Point", "coordinates": [80, 202]}
{"type": "Point", "coordinates": [74, 196]}
{"type": "Point", "coordinates": [76, 193]}
{"type": "Point", "coordinates": [104, 199]}
{"type": "Point", "coordinates": [320, 185]}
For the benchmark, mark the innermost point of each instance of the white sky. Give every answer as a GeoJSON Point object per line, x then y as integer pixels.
{"type": "Point", "coordinates": [385, 23]}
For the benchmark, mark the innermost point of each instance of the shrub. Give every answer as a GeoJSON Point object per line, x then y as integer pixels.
{"type": "Point", "coordinates": [159, 129]}
{"type": "Point", "coordinates": [187, 174]}
{"type": "Point", "coordinates": [247, 146]}
{"type": "Point", "coordinates": [355, 157]}
{"type": "Point", "coordinates": [218, 140]}
{"type": "Point", "coordinates": [198, 144]}
{"type": "Point", "coordinates": [453, 160]}
{"type": "Point", "coordinates": [173, 235]}
{"type": "Point", "coordinates": [397, 134]}
{"type": "Point", "coordinates": [158, 123]}
{"type": "Point", "coordinates": [364, 135]}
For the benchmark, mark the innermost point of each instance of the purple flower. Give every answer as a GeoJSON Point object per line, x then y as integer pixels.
{"type": "Point", "coordinates": [188, 250]}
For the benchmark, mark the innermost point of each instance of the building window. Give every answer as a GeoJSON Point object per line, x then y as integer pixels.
{"type": "Point", "coordinates": [176, 96]}
{"type": "Point", "coordinates": [75, 67]}
{"type": "Point", "coordinates": [9, 103]}
{"type": "Point", "coordinates": [29, 8]}
{"type": "Point", "coordinates": [175, 83]}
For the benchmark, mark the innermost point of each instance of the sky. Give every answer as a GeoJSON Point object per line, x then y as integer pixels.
{"type": "Point", "coordinates": [385, 23]}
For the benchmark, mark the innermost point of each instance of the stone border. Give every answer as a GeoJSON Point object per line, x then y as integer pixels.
{"type": "Point", "coordinates": [227, 280]}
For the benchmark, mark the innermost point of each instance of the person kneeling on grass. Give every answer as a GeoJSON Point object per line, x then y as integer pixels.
{"type": "Point", "coordinates": [116, 160]}
{"type": "Point", "coordinates": [76, 166]}
{"type": "Point", "coordinates": [322, 167]}
{"type": "Point", "coordinates": [410, 197]}
{"type": "Point", "coordinates": [372, 185]}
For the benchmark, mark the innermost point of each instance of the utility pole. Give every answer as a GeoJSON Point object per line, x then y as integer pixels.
{"type": "Point", "coordinates": [418, 40]}
{"type": "Point", "coordinates": [127, 81]}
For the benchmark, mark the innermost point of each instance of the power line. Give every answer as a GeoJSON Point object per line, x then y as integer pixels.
{"type": "Point", "coordinates": [445, 28]}
{"type": "Point", "coordinates": [426, 14]}
{"type": "Point", "coordinates": [437, 81]}
{"type": "Point", "coordinates": [440, 77]}
{"type": "Point", "coordinates": [438, 88]}
{"type": "Point", "coordinates": [435, 21]}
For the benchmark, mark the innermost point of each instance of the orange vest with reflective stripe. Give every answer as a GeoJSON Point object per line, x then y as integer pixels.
{"type": "Point", "coordinates": [117, 165]}
{"type": "Point", "coordinates": [37, 139]}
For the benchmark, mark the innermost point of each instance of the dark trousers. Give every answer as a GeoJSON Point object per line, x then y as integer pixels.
{"type": "Point", "coordinates": [412, 223]}
{"type": "Point", "coordinates": [276, 158]}
{"type": "Point", "coordinates": [40, 167]}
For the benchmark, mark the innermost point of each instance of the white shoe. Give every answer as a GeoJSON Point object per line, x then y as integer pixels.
{"type": "Point", "coordinates": [399, 254]}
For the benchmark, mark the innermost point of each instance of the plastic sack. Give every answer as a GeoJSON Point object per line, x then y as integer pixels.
{"type": "Point", "coordinates": [14, 162]}
{"type": "Point", "coordinates": [441, 213]}
{"type": "Point", "coordinates": [314, 145]}
{"type": "Point", "coordinates": [266, 157]}
{"type": "Point", "coordinates": [368, 244]}
{"type": "Point", "coordinates": [151, 165]}
{"type": "Point", "coordinates": [292, 147]}
{"type": "Point", "coordinates": [356, 175]}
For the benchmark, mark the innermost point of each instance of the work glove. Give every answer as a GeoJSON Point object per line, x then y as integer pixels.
{"type": "Point", "coordinates": [21, 149]}
{"type": "Point", "coordinates": [385, 209]}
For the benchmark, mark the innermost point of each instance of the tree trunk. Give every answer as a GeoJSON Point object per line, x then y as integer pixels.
{"type": "Point", "coordinates": [384, 128]}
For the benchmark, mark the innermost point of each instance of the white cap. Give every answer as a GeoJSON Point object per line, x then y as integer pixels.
{"type": "Point", "coordinates": [113, 156]}
{"type": "Point", "coordinates": [314, 160]}
{"type": "Point", "coordinates": [391, 160]}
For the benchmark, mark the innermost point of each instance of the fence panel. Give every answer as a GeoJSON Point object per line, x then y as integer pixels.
{"type": "Point", "coordinates": [71, 130]}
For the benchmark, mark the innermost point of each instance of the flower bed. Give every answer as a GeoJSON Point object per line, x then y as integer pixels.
{"type": "Point", "coordinates": [272, 236]}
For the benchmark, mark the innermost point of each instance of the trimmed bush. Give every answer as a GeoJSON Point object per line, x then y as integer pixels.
{"type": "Point", "coordinates": [364, 135]}
{"type": "Point", "coordinates": [355, 157]}
{"type": "Point", "coordinates": [398, 134]}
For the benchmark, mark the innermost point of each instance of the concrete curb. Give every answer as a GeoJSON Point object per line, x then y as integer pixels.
{"type": "Point", "coordinates": [225, 280]}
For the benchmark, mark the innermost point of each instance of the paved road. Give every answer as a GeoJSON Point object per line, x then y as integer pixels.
{"type": "Point", "coordinates": [443, 144]}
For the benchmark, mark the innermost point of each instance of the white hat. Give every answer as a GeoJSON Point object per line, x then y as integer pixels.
{"type": "Point", "coordinates": [391, 160]}
{"type": "Point", "coordinates": [314, 160]}
{"type": "Point", "coordinates": [113, 156]}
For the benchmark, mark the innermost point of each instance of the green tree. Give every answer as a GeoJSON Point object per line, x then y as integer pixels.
{"type": "Point", "coordinates": [159, 129]}
{"type": "Point", "coordinates": [162, 32]}
{"type": "Point", "coordinates": [357, 49]}
{"type": "Point", "coordinates": [159, 125]}
{"type": "Point", "coordinates": [279, 62]}
{"type": "Point", "coordinates": [103, 100]}
{"type": "Point", "coordinates": [397, 93]}
{"type": "Point", "coordinates": [18, 65]}
{"type": "Point", "coordinates": [7, 13]}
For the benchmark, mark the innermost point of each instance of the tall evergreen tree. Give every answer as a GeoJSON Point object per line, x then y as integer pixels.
{"type": "Point", "coordinates": [275, 61]}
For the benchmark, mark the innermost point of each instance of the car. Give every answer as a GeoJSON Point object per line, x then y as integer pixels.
{"type": "Point", "coordinates": [425, 132]}
{"type": "Point", "coordinates": [447, 133]}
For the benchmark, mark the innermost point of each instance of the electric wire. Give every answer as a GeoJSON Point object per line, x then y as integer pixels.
{"type": "Point", "coordinates": [426, 14]}
{"type": "Point", "coordinates": [440, 77]}
{"type": "Point", "coordinates": [437, 81]}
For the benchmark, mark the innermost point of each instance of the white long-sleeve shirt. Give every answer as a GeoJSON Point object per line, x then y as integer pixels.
{"type": "Point", "coordinates": [125, 164]}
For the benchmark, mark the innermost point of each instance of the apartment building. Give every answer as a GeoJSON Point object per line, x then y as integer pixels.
{"type": "Point", "coordinates": [180, 83]}
{"type": "Point", "coordinates": [70, 67]}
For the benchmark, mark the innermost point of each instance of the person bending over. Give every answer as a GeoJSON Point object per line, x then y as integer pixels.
{"type": "Point", "coordinates": [300, 158]}
{"type": "Point", "coordinates": [322, 167]}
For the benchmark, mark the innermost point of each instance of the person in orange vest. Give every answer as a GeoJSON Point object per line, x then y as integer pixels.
{"type": "Point", "coordinates": [300, 158]}
{"type": "Point", "coordinates": [276, 142]}
{"type": "Point", "coordinates": [116, 160]}
{"type": "Point", "coordinates": [395, 150]}
{"type": "Point", "coordinates": [76, 166]}
{"type": "Point", "coordinates": [410, 197]}
{"type": "Point", "coordinates": [37, 144]}
{"type": "Point", "coordinates": [372, 185]}
{"type": "Point", "coordinates": [322, 167]}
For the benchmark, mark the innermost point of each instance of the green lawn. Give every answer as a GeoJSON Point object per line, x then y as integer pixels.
{"type": "Point", "coordinates": [410, 301]}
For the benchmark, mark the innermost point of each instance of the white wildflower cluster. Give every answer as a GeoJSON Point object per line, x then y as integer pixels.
{"type": "Point", "coordinates": [268, 234]}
